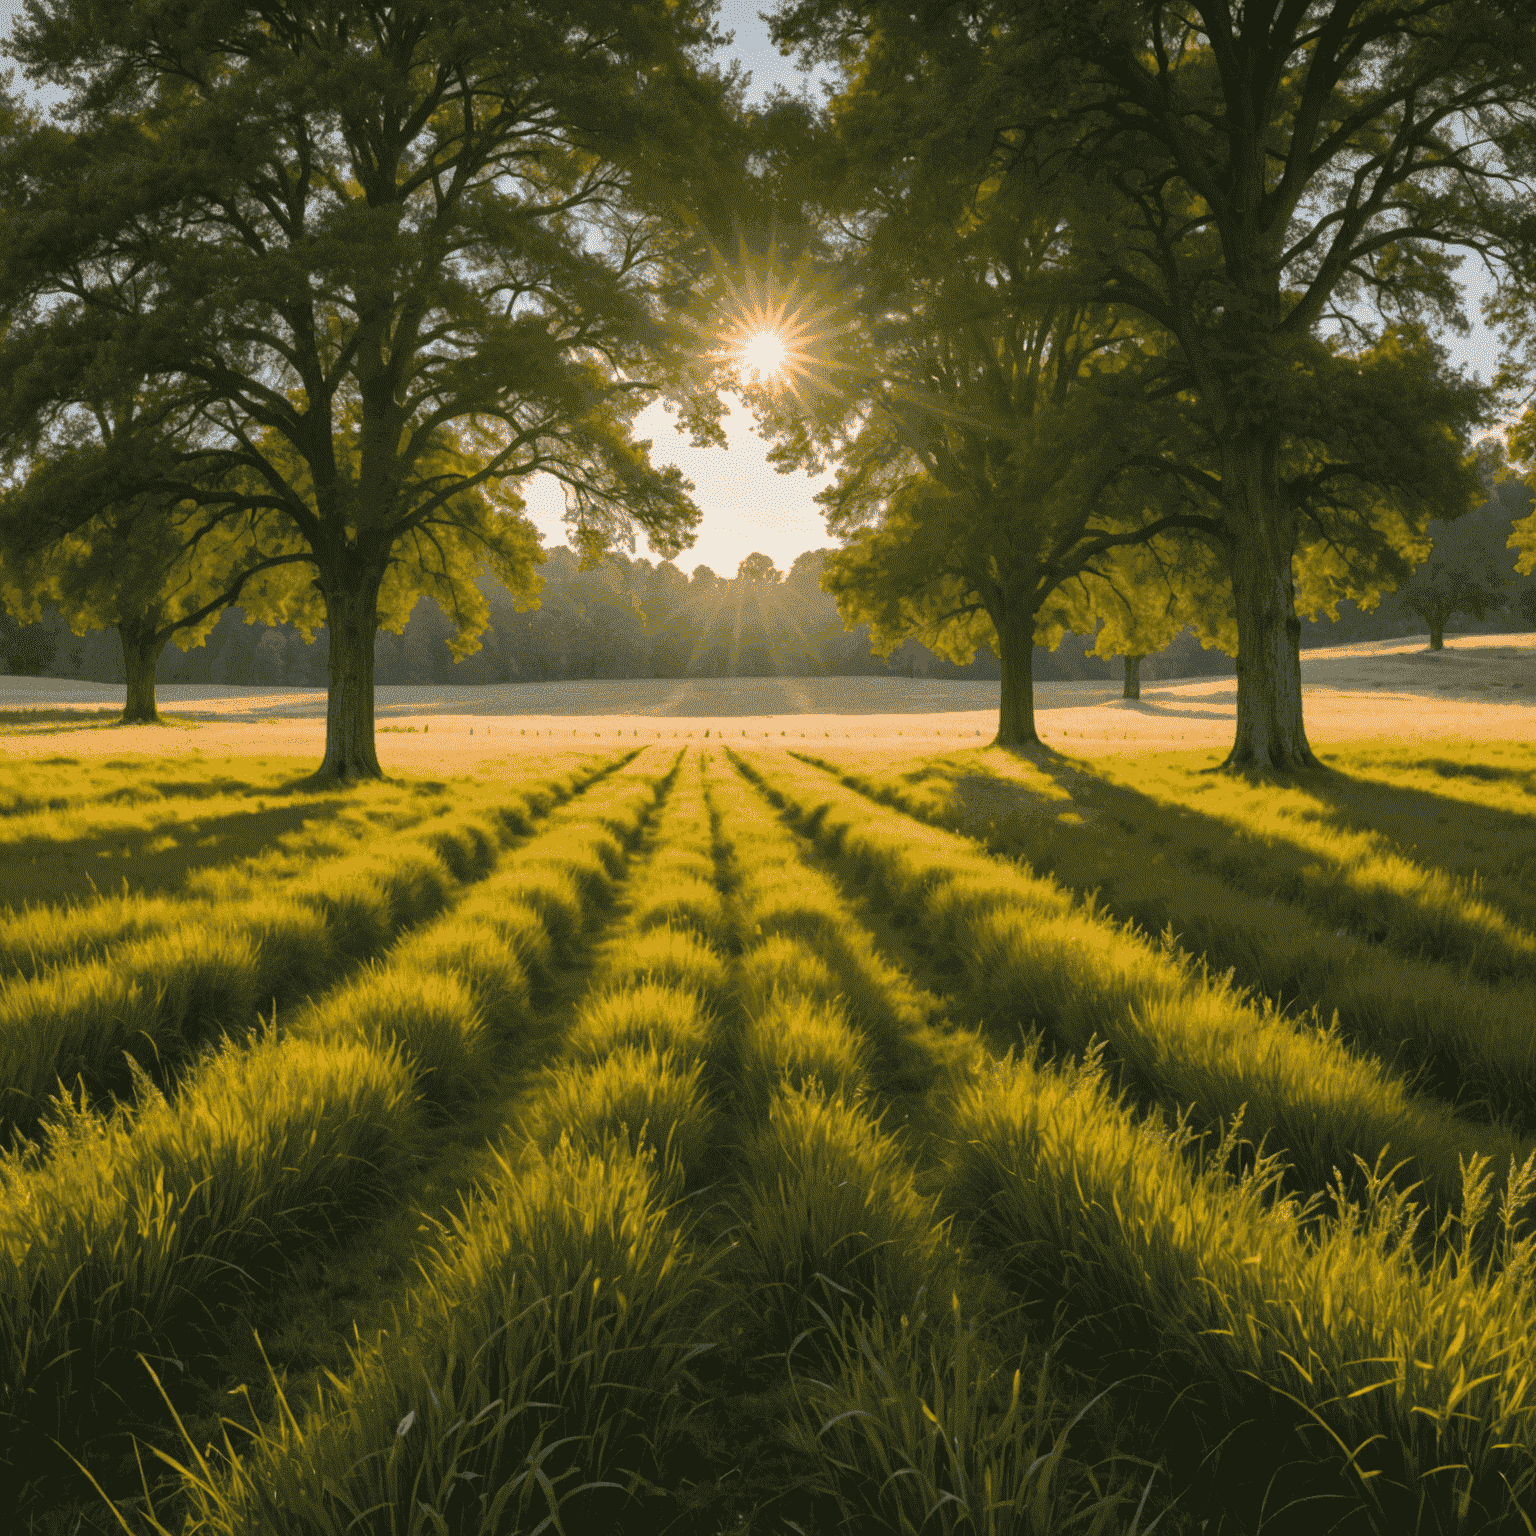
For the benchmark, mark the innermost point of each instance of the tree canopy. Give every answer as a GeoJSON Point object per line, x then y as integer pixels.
{"type": "Point", "coordinates": [378, 263]}
{"type": "Point", "coordinates": [1254, 176]}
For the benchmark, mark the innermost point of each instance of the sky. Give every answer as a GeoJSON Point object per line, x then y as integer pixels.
{"type": "Point", "coordinates": [747, 505]}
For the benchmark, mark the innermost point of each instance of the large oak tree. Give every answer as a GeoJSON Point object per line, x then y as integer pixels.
{"type": "Point", "coordinates": [389, 259]}
{"type": "Point", "coordinates": [1264, 172]}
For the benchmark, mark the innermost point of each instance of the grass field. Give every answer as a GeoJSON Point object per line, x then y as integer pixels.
{"type": "Point", "coordinates": [710, 1135]}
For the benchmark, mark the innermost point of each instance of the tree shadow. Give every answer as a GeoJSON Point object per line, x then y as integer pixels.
{"type": "Point", "coordinates": [1183, 710]}
{"type": "Point", "coordinates": [14, 722]}
{"type": "Point", "coordinates": [1434, 832]}
{"type": "Point", "coordinates": [156, 859]}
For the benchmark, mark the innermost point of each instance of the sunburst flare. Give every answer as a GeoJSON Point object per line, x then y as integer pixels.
{"type": "Point", "coordinates": [778, 336]}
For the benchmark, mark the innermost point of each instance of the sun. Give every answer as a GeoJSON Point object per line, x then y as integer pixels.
{"type": "Point", "coordinates": [765, 354]}
{"type": "Point", "coordinates": [781, 337]}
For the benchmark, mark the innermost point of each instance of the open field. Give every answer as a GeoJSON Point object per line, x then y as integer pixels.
{"type": "Point", "coordinates": [826, 1133]}
{"type": "Point", "coordinates": [1476, 687]}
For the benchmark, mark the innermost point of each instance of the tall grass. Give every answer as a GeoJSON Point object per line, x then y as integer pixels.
{"type": "Point", "coordinates": [1184, 1037]}
{"type": "Point", "coordinates": [800, 933]}
{"type": "Point", "coordinates": [430, 1017]}
{"type": "Point", "coordinates": [532, 1382]}
{"type": "Point", "coordinates": [1250, 1315]}
{"type": "Point", "coordinates": [34, 938]}
{"type": "Point", "coordinates": [925, 1429]}
{"type": "Point", "coordinates": [135, 1231]}
{"type": "Point", "coordinates": [827, 1211]}
{"type": "Point", "coordinates": [422, 1015]}
{"type": "Point", "coordinates": [1468, 1040]}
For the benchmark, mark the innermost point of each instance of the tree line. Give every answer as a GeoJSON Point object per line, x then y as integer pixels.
{"type": "Point", "coordinates": [1116, 320]}
{"type": "Point", "coordinates": [635, 619]}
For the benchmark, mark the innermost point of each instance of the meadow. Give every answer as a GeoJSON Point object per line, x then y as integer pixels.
{"type": "Point", "coordinates": [761, 1135]}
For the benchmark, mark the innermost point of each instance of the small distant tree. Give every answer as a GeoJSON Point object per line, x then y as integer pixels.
{"type": "Point", "coordinates": [805, 573]}
{"type": "Point", "coordinates": [757, 567]}
{"type": "Point", "coordinates": [1152, 593]}
{"type": "Point", "coordinates": [1442, 589]}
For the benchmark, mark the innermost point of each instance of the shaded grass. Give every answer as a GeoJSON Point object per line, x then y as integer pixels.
{"type": "Point", "coordinates": [1469, 1042]}
{"type": "Point", "coordinates": [535, 1364]}
{"type": "Point", "coordinates": [222, 835]}
{"type": "Point", "coordinates": [1406, 1388]}
{"type": "Point", "coordinates": [1181, 1038]}
{"type": "Point", "coordinates": [139, 1230]}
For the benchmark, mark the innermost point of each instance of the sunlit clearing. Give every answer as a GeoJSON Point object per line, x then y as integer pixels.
{"type": "Point", "coordinates": [764, 353]}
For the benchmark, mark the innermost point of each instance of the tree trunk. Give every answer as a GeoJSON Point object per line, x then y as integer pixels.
{"type": "Point", "coordinates": [1436, 636]}
{"type": "Point", "coordinates": [142, 649]}
{"type": "Point", "coordinates": [352, 624]}
{"type": "Point", "coordinates": [1132, 677]}
{"type": "Point", "coordinates": [1270, 730]}
{"type": "Point", "coordinates": [1016, 715]}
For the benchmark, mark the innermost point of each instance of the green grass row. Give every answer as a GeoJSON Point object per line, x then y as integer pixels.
{"type": "Point", "coordinates": [537, 1373]}
{"type": "Point", "coordinates": [162, 997]}
{"type": "Point", "coordinates": [36, 939]}
{"type": "Point", "coordinates": [1470, 1042]}
{"type": "Point", "coordinates": [143, 1231]}
{"type": "Point", "coordinates": [72, 857]}
{"type": "Point", "coordinates": [1290, 1361]}
{"type": "Point", "coordinates": [899, 1367]}
{"type": "Point", "coordinates": [1021, 954]}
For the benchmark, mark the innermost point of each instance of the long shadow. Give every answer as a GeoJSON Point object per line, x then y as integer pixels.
{"type": "Point", "coordinates": [1222, 897]}
{"type": "Point", "coordinates": [1349, 802]}
{"type": "Point", "coordinates": [1188, 711]}
{"type": "Point", "coordinates": [15, 722]}
{"type": "Point", "coordinates": [156, 859]}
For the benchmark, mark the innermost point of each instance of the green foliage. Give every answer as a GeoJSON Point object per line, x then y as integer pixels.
{"type": "Point", "coordinates": [757, 568]}
{"type": "Point", "coordinates": [423, 317]}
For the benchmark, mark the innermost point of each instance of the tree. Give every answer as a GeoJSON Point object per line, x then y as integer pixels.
{"type": "Point", "coordinates": [999, 435]}
{"type": "Point", "coordinates": [154, 573]}
{"type": "Point", "coordinates": [1151, 598]}
{"type": "Point", "coordinates": [412, 250]}
{"type": "Point", "coordinates": [758, 567]}
{"type": "Point", "coordinates": [1259, 172]}
{"type": "Point", "coordinates": [153, 568]}
{"type": "Point", "coordinates": [1519, 468]}
{"type": "Point", "coordinates": [1442, 588]}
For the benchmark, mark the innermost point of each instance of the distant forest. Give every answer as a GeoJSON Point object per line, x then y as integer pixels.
{"type": "Point", "coordinates": [630, 618]}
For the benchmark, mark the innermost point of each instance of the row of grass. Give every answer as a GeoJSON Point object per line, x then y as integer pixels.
{"type": "Point", "coordinates": [1469, 1042]}
{"type": "Point", "coordinates": [36, 939]}
{"type": "Point", "coordinates": [142, 1230]}
{"type": "Point", "coordinates": [1021, 954]}
{"type": "Point", "coordinates": [535, 1376]}
{"type": "Point", "coordinates": [1292, 1363]}
{"type": "Point", "coordinates": [1394, 868]}
{"type": "Point", "coordinates": [71, 857]}
{"type": "Point", "coordinates": [895, 1366]}
{"type": "Point", "coordinates": [160, 998]}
